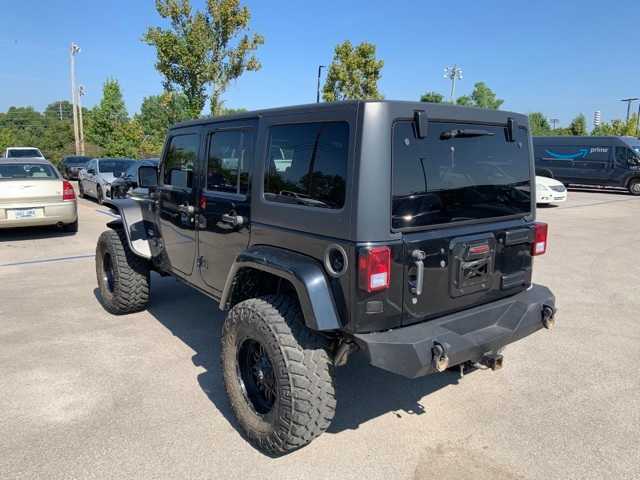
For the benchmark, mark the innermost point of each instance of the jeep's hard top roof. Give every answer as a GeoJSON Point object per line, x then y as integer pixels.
{"type": "Point", "coordinates": [441, 110]}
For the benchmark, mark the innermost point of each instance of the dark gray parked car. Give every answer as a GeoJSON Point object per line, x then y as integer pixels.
{"type": "Point", "coordinates": [405, 230]}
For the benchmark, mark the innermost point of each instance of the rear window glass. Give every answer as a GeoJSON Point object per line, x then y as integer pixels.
{"type": "Point", "coordinates": [459, 172]}
{"type": "Point", "coordinates": [13, 171]}
{"type": "Point", "coordinates": [24, 153]}
{"type": "Point", "coordinates": [307, 164]}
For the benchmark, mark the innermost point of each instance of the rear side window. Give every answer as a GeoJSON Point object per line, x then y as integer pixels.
{"type": "Point", "coordinates": [180, 159]}
{"type": "Point", "coordinates": [307, 164]}
{"type": "Point", "coordinates": [227, 169]}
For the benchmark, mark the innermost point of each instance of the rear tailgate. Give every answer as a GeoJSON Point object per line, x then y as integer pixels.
{"type": "Point", "coordinates": [464, 267]}
{"type": "Point", "coordinates": [462, 200]}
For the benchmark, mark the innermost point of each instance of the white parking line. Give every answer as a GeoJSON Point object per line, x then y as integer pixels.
{"type": "Point", "coordinates": [48, 260]}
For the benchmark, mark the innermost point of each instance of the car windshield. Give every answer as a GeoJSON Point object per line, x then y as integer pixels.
{"type": "Point", "coordinates": [116, 167]}
{"type": "Point", "coordinates": [28, 171]}
{"type": "Point", "coordinates": [459, 172]}
{"type": "Point", "coordinates": [24, 153]}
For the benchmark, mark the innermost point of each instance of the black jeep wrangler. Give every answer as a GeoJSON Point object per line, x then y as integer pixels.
{"type": "Point", "coordinates": [405, 230]}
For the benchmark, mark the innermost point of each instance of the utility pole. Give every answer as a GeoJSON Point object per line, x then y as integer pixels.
{"type": "Point", "coordinates": [453, 73]}
{"type": "Point", "coordinates": [60, 110]}
{"type": "Point", "coordinates": [73, 51]}
{"type": "Point", "coordinates": [81, 93]}
{"type": "Point", "coordinates": [629, 102]}
{"type": "Point", "coordinates": [554, 122]}
{"type": "Point", "coordinates": [320, 67]}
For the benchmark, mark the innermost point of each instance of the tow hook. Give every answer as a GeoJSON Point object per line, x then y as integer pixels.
{"type": "Point", "coordinates": [548, 314]}
{"type": "Point", "coordinates": [440, 359]}
{"type": "Point", "coordinates": [492, 360]}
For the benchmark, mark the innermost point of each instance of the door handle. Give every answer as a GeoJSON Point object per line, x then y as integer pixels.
{"type": "Point", "coordinates": [418, 257]}
{"type": "Point", "coordinates": [189, 209]}
{"type": "Point", "coordinates": [235, 220]}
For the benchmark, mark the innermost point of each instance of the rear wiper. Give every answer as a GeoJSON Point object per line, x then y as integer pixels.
{"type": "Point", "coordinates": [466, 133]}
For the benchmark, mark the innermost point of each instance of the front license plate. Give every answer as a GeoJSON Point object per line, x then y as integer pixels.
{"type": "Point", "coordinates": [24, 213]}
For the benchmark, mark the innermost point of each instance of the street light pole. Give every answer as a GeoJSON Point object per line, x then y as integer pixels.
{"type": "Point", "coordinates": [74, 49]}
{"type": "Point", "coordinates": [320, 67]}
{"type": "Point", "coordinates": [453, 73]}
{"type": "Point", "coordinates": [81, 93]}
{"type": "Point", "coordinates": [554, 121]}
{"type": "Point", "coordinates": [629, 102]}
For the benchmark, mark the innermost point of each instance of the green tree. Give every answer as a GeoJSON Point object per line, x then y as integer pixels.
{"type": "Point", "coordinates": [538, 124]}
{"type": "Point", "coordinates": [353, 74]}
{"type": "Point", "coordinates": [465, 101]}
{"type": "Point", "coordinates": [578, 126]}
{"type": "Point", "coordinates": [60, 110]}
{"type": "Point", "coordinates": [108, 116]}
{"type": "Point", "coordinates": [126, 140]}
{"type": "Point", "coordinates": [617, 128]}
{"type": "Point", "coordinates": [432, 97]}
{"type": "Point", "coordinates": [159, 112]}
{"type": "Point", "coordinates": [203, 50]}
{"type": "Point", "coordinates": [484, 97]}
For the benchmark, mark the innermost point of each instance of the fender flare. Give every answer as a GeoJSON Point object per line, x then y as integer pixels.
{"type": "Point", "coordinates": [305, 274]}
{"type": "Point", "coordinates": [133, 223]}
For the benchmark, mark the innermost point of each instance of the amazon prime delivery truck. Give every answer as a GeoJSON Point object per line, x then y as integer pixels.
{"type": "Point", "coordinates": [593, 161]}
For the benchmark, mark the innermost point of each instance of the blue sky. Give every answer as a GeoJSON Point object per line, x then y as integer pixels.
{"type": "Point", "coordinates": [558, 57]}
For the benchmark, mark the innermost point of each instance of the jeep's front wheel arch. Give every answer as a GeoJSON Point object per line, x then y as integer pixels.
{"type": "Point", "coordinates": [285, 397]}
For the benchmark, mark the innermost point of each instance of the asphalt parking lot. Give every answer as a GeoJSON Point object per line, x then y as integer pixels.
{"type": "Point", "coordinates": [84, 394]}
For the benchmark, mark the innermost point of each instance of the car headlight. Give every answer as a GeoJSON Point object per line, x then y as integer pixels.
{"type": "Point", "coordinates": [539, 186]}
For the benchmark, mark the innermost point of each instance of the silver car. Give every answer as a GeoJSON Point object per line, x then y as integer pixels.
{"type": "Point", "coordinates": [33, 193]}
{"type": "Point", "coordinates": [97, 176]}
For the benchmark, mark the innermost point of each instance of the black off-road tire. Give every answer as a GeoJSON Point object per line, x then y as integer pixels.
{"type": "Point", "coordinates": [305, 401]}
{"type": "Point", "coordinates": [123, 277]}
{"type": "Point", "coordinates": [634, 187]}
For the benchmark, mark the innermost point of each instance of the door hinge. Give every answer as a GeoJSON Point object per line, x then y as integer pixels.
{"type": "Point", "coordinates": [201, 263]}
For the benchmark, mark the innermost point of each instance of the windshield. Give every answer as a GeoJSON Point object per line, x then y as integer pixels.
{"type": "Point", "coordinates": [459, 172]}
{"type": "Point", "coordinates": [24, 153]}
{"type": "Point", "coordinates": [116, 167]}
{"type": "Point", "coordinates": [13, 171]}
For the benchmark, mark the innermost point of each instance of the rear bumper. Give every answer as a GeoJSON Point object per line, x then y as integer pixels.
{"type": "Point", "coordinates": [465, 336]}
{"type": "Point", "coordinates": [52, 214]}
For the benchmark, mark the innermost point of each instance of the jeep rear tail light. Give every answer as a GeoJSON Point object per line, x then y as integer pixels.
{"type": "Point", "coordinates": [539, 245]}
{"type": "Point", "coordinates": [68, 193]}
{"type": "Point", "coordinates": [374, 269]}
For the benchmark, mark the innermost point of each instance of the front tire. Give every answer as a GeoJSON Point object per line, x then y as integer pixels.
{"type": "Point", "coordinates": [634, 187]}
{"type": "Point", "coordinates": [100, 195]}
{"type": "Point", "coordinates": [277, 374]}
{"type": "Point", "coordinates": [123, 277]}
{"type": "Point", "coordinates": [80, 189]}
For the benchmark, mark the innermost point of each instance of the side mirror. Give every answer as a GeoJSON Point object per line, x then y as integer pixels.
{"type": "Point", "coordinates": [147, 176]}
{"type": "Point", "coordinates": [91, 171]}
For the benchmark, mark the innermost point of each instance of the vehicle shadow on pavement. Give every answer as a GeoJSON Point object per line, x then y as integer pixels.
{"type": "Point", "coordinates": [32, 233]}
{"type": "Point", "coordinates": [363, 392]}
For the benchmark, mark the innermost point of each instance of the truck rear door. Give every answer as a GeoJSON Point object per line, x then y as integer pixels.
{"type": "Point", "coordinates": [462, 198]}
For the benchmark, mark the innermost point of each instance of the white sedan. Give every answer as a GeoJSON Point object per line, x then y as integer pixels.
{"type": "Point", "coordinates": [549, 190]}
{"type": "Point", "coordinates": [32, 193]}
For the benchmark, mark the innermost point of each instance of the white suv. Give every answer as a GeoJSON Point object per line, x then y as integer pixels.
{"type": "Point", "coordinates": [23, 152]}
